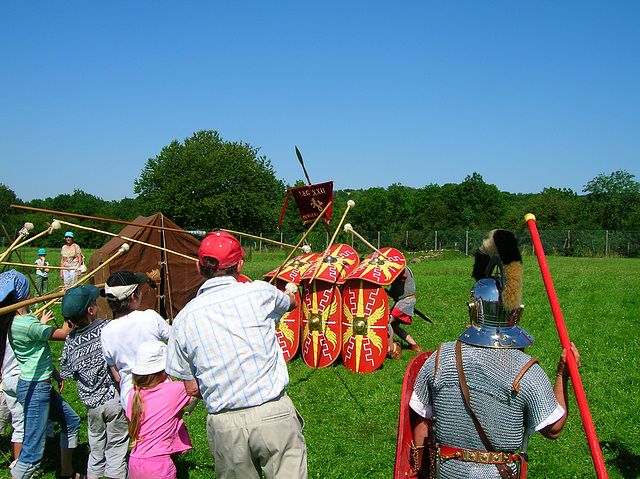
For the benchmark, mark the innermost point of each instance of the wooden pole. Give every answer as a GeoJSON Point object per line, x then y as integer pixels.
{"type": "Point", "coordinates": [25, 265]}
{"type": "Point", "coordinates": [123, 249]}
{"type": "Point", "coordinates": [21, 234]}
{"type": "Point", "coordinates": [260, 238]}
{"type": "Point", "coordinates": [350, 204]}
{"type": "Point", "coordinates": [96, 218]}
{"type": "Point", "coordinates": [304, 236]}
{"type": "Point", "coordinates": [129, 239]}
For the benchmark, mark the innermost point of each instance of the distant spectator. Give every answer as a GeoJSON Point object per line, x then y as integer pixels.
{"type": "Point", "coordinates": [71, 258]}
{"type": "Point", "coordinates": [42, 273]}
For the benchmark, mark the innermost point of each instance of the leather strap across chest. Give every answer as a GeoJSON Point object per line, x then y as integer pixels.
{"type": "Point", "coordinates": [505, 471]}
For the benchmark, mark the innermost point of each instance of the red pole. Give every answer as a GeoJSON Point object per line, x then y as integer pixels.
{"type": "Point", "coordinates": [596, 452]}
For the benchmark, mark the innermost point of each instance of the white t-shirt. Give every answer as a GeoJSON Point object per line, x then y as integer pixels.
{"type": "Point", "coordinates": [120, 341]}
{"type": "Point", "coordinates": [10, 366]}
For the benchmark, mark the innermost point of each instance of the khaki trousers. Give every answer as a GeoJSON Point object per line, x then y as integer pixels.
{"type": "Point", "coordinates": [263, 439]}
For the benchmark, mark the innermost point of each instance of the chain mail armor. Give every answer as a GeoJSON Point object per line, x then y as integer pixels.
{"type": "Point", "coordinates": [501, 411]}
{"type": "Point", "coordinates": [400, 290]}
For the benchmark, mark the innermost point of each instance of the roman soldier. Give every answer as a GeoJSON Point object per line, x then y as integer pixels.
{"type": "Point", "coordinates": [478, 399]}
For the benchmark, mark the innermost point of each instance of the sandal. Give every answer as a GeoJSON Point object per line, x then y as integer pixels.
{"type": "Point", "coordinates": [395, 351]}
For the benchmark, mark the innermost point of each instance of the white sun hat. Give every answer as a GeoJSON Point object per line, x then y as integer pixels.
{"type": "Point", "coordinates": [151, 358]}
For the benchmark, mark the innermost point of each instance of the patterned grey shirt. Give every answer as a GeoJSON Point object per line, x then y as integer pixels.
{"type": "Point", "coordinates": [83, 362]}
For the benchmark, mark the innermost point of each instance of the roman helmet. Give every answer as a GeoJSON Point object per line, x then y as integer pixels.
{"type": "Point", "coordinates": [495, 306]}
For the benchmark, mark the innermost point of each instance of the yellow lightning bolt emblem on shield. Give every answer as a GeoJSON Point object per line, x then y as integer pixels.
{"type": "Point", "coordinates": [286, 331]}
{"type": "Point", "coordinates": [359, 325]}
{"type": "Point", "coordinates": [384, 267]}
{"type": "Point", "coordinates": [317, 322]}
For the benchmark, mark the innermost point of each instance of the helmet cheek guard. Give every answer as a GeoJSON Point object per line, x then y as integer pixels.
{"type": "Point", "coordinates": [494, 307]}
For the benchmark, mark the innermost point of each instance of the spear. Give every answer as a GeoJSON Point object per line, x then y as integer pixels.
{"type": "Point", "coordinates": [39, 299]}
{"type": "Point", "coordinates": [350, 204]}
{"type": "Point", "coordinates": [587, 421]}
{"type": "Point", "coordinates": [53, 226]}
{"type": "Point", "coordinates": [260, 238]}
{"type": "Point", "coordinates": [299, 155]}
{"type": "Point", "coordinates": [302, 164]}
{"type": "Point", "coordinates": [36, 266]}
{"type": "Point", "coordinates": [21, 234]}
{"type": "Point", "coordinates": [349, 229]}
{"type": "Point", "coordinates": [304, 236]}
{"type": "Point", "coordinates": [133, 240]}
{"type": "Point", "coordinates": [96, 218]}
{"type": "Point", "coordinates": [123, 249]}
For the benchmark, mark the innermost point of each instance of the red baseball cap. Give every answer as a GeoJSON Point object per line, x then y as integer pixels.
{"type": "Point", "coordinates": [223, 247]}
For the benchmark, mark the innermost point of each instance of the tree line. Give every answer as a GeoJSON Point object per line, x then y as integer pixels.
{"type": "Point", "coordinates": [206, 182]}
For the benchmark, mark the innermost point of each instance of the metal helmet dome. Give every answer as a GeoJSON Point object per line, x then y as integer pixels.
{"type": "Point", "coordinates": [495, 308]}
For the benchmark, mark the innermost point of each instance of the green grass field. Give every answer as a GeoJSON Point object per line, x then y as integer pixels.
{"type": "Point", "coordinates": [351, 419]}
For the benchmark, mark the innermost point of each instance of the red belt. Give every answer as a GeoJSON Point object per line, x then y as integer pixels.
{"type": "Point", "coordinates": [482, 457]}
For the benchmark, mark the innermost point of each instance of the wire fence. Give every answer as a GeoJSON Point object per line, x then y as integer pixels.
{"type": "Point", "coordinates": [580, 243]}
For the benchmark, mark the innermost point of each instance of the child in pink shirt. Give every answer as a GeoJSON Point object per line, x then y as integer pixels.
{"type": "Point", "coordinates": [154, 410]}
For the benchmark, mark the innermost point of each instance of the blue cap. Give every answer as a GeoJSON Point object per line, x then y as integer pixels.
{"type": "Point", "coordinates": [42, 251]}
{"type": "Point", "coordinates": [76, 300]}
{"type": "Point", "coordinates": [69, 234]}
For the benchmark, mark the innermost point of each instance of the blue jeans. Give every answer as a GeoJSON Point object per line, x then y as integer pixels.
{"type": "Point", "coordinates": [41, 402]}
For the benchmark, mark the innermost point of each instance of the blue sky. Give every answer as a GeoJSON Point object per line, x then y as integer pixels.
{"type": "Point", "coordinates": [528, 94]}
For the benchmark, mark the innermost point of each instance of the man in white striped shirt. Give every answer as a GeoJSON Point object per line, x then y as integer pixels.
{"type": "Point", "coordinates": [223, 345]}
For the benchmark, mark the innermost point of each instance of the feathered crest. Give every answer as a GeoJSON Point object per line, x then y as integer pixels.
{"type": "Point", "coordinates": [501, 247]}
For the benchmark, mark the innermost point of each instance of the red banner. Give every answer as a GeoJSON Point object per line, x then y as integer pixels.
{"type": "Point", "coordinates": [310, 201]}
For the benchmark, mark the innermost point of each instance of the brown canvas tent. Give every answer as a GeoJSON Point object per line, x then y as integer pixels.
{"type": "Point", "coordinates": [179, 279]}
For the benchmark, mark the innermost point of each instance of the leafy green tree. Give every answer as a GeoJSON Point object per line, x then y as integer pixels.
{"type": "Point", "coordinates": [81, 203]}
{"type": "Point", "coordinates": [429, 209]}
{"type": "Point", "coordinates": [207, 182]}
{"type": "Point", "coordinates": [371, 212]}
{"type": "Point", "coordinates": [612, 198]}
{"type": "Point", "coordinates": [399, 200]}
{"type": "Point", "coordinates": [633, 222]}
{"type": "Point", "coordinates": [11, 219]}
{"type": "Point", "coordinates": [7, 198]}
{"type": "Point", "coordinates": [473, 204]}
{"type": "Point", "coordinates": [127, 209]}
{"type": "Point", "coordinates": [556, 209]}
{"type": "Point", "coordinates": [518, 205]}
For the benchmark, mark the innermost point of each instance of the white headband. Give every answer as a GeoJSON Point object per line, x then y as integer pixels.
{"type": "Point", "coordinates": [118, 293]}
